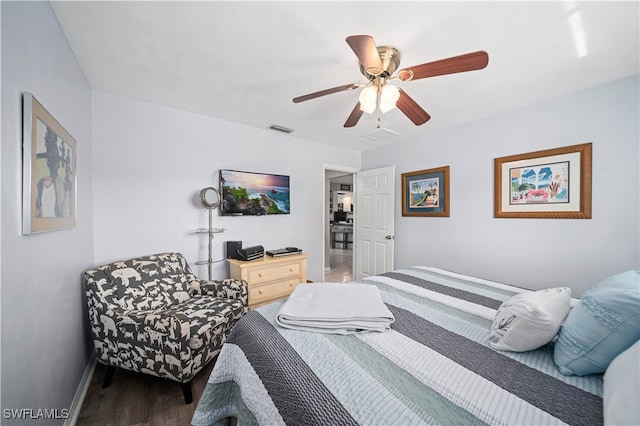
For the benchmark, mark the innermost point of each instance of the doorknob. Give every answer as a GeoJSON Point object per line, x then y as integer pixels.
{"type": "Point", "coordinates": [389, 237]}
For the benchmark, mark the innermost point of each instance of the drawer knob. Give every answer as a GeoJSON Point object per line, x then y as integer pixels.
{"type": "Point", "coordinates": [290, 284]}
{"type": "Point", "coordinates": [260, 291]}
{"type": "Point", "coordinates": [260, 274]}
{"type": "Point", "coordinates": [290, 269]}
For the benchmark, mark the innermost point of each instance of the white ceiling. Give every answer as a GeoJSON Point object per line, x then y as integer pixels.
{"type": "Point", "coordinates": [245, 61]}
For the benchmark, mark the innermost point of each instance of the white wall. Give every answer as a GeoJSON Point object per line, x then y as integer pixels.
{"type": "Point", "coordinates": [44, 344]}
{"type": "Point", "coordinates": [533, 253]}
{"type": "Point", "coordinates": [150, 163]}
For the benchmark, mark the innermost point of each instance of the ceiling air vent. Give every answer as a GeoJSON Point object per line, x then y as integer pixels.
{"type": "Point", "coordinates": [381, 134]}
{"type": "Point", "coordinates": [280, 128]}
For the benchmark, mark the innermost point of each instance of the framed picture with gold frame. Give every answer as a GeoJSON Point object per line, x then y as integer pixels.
{"type": "Point", "coordinates": [548, 184]}
{"type": "Point", "coordinates": [426, 192]}
{"type": "Point", "coordinates": [49, 171]}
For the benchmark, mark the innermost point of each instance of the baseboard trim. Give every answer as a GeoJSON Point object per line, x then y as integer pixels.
{"type": "Point", "coordinates": [81, 392]}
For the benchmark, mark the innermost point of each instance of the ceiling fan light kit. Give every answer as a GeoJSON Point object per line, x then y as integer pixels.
{"type": "Point", "coordinates": [368, 99]}
{"type": "Point", "coordinates": [383, 95]}
{"type": "Point", "coordinates": [379, 63]}
{"type": "Point", "coordinates": [389, 95]}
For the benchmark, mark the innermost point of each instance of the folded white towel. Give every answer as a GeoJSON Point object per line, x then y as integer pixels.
{"type": "Point", "coordinates": [335, 308]}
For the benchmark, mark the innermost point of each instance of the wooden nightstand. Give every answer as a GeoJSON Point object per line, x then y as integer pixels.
{"type": "Point", "coordinates": [270, 278]}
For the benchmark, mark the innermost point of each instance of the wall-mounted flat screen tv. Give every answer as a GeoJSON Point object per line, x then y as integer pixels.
{"type": "Point", "coordinates": [253, 194]}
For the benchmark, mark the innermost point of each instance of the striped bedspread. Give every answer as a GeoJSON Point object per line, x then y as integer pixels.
{"type": "Point", "coordinates": [435, 366]}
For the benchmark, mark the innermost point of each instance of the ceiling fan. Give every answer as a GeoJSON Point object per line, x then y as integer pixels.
{"type": "Point", "coordinates": [378, 64]}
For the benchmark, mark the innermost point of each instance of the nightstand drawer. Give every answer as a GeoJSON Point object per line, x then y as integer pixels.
{"type": "Point", "coordinates": [262, 275]}
{"type": "Point", "coordinates": [274, 290]}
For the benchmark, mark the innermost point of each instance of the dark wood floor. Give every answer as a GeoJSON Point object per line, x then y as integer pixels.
{"type": "Point", "coordinates": [138, 399]}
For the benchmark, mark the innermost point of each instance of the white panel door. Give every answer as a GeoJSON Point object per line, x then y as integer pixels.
{"type": "Point", "coordinates": [374, 210]}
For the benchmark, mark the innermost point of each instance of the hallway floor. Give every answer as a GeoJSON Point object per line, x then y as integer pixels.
{"type": "Point", "coordinates": [341, 262]}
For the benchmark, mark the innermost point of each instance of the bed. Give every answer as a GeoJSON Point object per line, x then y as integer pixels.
{"type": "Point", "coordinates": [435, 366]}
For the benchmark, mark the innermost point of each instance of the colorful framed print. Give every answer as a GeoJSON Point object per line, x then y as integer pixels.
{"type": "Point", "coordinates": [49, 171]}
{"type": "Point", "coordinates": [549, 184]}
{"type": "Point", "coordinates": [426, 192]}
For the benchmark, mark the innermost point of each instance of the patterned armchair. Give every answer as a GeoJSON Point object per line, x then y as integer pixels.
{"type": "Point", "coordinates": [152, 315]}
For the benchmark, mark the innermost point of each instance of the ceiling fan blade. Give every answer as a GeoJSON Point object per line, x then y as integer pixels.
{"type": "Point", "coordinates": [365, 49]}
{"type": "Point", "coordinates": [467, 62]}
{"type": "Point", "coordinates": [411, 109]}
{"type": "Point", "coordinates": [325, 92]}
{"type": "Point", "coordinates": [354, 116]}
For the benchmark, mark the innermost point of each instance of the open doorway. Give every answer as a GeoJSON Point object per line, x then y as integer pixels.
{"type": "Point", "coordinates": [338, 222]}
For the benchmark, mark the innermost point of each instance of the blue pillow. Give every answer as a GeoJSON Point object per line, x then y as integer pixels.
{"type": "Point", "coordinates": [603, 325]}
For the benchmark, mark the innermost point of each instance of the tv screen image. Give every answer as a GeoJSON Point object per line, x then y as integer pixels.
{"type": "Point", "coordinates": [253, 194]}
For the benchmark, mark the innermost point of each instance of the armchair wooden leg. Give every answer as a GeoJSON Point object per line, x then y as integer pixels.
{"type": "Point", "coordinates": [186, 390]}
{"type": "Point", "coordinates": [108, 376]}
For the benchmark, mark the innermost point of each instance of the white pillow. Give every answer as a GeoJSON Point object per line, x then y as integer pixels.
{"type": "Point", "coordinates": [529, 320]}
{"type": "Point", "coordinates": [621, 388]}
